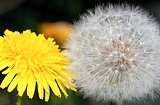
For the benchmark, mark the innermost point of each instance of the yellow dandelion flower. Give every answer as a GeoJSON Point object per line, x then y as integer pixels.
{"type": "Point", "coordinates": [28, 59]}
{"type": "Point", "coordinates": [57, 30]}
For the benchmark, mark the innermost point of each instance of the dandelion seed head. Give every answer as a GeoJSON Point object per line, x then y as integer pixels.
{"type": "Point", "coordinates": [121, 39]}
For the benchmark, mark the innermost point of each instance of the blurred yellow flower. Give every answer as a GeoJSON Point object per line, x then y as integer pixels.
{"type": "Point", "coordinates": [28, 59]}
{"type": "Point", "coordinates": [58, 30]}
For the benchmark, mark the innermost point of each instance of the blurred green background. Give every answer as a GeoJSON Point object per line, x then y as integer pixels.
{"type": "Point", "coordinates": [28, 14]}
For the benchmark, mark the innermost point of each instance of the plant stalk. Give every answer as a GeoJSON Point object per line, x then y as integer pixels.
{"type": "Point", "coordinates": [19, 100]}
{"type": "Point", "coordinates": [118, 103]}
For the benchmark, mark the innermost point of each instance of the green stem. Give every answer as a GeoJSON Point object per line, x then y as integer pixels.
{"type": "Point", "coordinates": [119, 103]}
{"type": "Point", "coordinates": [19, 100]}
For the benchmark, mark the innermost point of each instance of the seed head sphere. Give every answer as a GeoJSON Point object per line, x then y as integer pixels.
{"type": "Point", "coordinates": [115, 53]}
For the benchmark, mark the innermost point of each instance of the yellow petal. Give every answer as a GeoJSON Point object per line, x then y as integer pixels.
{"type": "Point", "coordinates": [7, 71]}
{"type": "Point", "coordinates": [40, 90]}
{"type": "Point", "coordinates": [7, 80]}
{"type": "Point", "coordinates": [22, 86]}
{"type": "Point", "coordinates": [68, 86]}
{"type": "Point", "coordinates": [5, 63]}
{"type": "Point", "coordinates": [47, 95]}
{"type": "Point", "coordinates": [44, 82]}
{"type": "Point", "coordinates": [53, 85]}
{"type": "Point", "coordinates": [62, 88]}
{"type": "Point", "coordinates": [7, 32]}
{"type": "Point", "coordinates": [31, 85]}
{"type": "Point", "coordinates": [55, 88]}
{"type": "Point", "coordinates": [13, 84]}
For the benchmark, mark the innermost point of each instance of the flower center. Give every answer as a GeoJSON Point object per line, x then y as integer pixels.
{"type": "Point", "coordinates": [120, 56]}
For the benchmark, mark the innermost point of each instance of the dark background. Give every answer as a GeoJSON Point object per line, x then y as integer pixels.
{"type": "Point", "coordinates": [28, 14]}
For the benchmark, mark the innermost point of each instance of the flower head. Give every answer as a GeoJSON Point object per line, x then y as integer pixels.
{"type": "Point", "coordinates": [57, 30]}
{"type": "Point", "coordinates": [28, 60]}
{"type": "Point", "coordinates": [115, 53]}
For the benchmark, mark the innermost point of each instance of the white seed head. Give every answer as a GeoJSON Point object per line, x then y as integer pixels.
{"type": "Point", "coordinates": [115, 53]}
